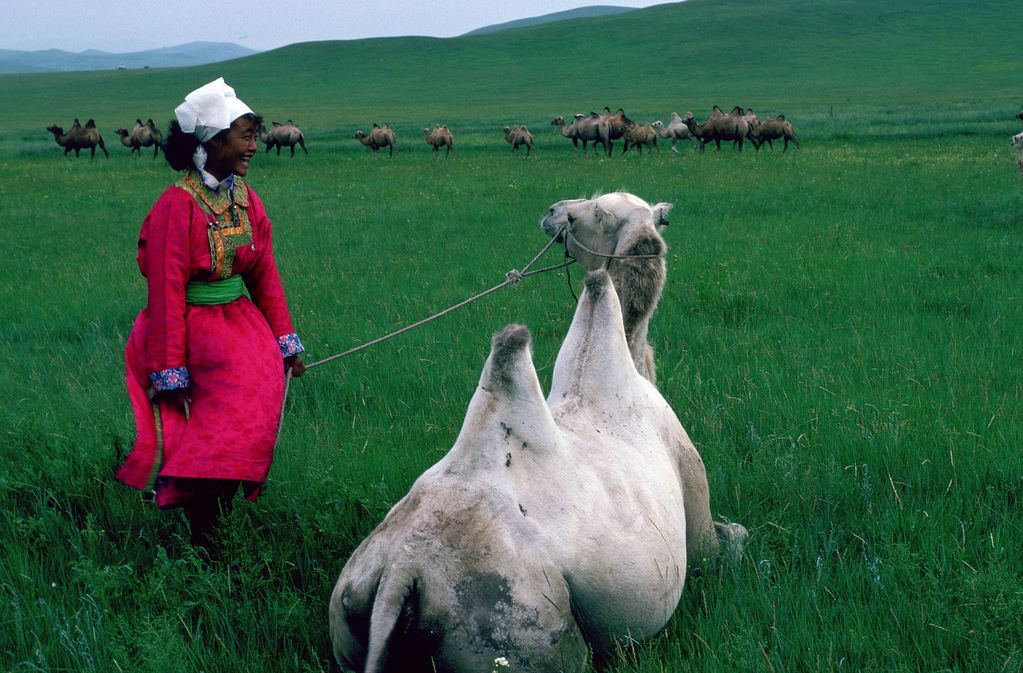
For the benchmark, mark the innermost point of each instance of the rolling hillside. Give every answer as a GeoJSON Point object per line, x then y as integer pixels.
{"type": "Point", "coordinates": [820, 58]}
{"type": "Point", "coordinates": [58, 60]}
{"type": "Point", "coordinates": [567, 15]}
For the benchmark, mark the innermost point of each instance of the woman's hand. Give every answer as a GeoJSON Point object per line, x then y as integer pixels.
{"type": "Point", "coordinates": [177, 398]}
{"type": "Point", "coordinates": [295, 364]}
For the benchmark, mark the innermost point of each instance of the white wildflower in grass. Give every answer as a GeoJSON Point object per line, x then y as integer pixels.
{"type": "Point", "coordinates": [499, 663]}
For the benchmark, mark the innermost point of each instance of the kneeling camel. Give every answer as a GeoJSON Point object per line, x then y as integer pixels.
{"type": "Point", "coordinates": [551, 526]}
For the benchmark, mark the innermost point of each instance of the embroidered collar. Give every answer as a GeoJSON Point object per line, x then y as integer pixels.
{"type": "Point", "coordinates": [232, 190]}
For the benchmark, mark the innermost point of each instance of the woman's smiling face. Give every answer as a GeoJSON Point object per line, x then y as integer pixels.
{"type": "Point", "coordinates": [231, 151]}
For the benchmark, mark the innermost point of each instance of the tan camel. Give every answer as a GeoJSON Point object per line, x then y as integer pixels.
{"type": "Point", "coordinates": [676, 131]}
{"type": "Point", "coordinates": [142, 135]}
{"type": "Point", "coordinates": [587, 128]}
{"type": "Point", "coordinates": [379, 136]}
{"type": "Point", "coordinates": [772, 129]}
{"type": "Point", "coordinates": [283, 135]}
{"type": "Point", "coordinates": [520, 135]}
{"type": "Point", "coordinates": [79, 138]}
{"type": "Point", "coordinates": [640, 135]}
{"type": "Point", "coordinates": [437, 137]}
{"type": "Point", "coordinates": [735, 126]}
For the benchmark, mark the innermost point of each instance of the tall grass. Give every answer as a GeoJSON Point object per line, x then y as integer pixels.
{"type": "Point", "coordinates": [839, 332]}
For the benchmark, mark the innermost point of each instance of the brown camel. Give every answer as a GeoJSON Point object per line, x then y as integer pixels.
{"type": "Point", "coordinates": [587, 128]}
{"type": "Point", "coordinates": [79, 138]}
{"type": "Point", "coordinates": [142, 135]}
{"type": "Point", "coordinates": [772, 129]}
{"type": "Point", "coordinates": [735, 126]}
{"type": "Point", "coordinates": [379, 136]}
{"type": "Point", "coordinates": [639, 135]}
{"type": "Point", "coordinates": [676, 131]}
{"type": "Point", "coordinates": [439, 136]}
{"type": "Point", "coordinates": [617, 124]}
{"type": "Point", "coordinates": [283, 135]}
{"type": "Point", "coordinates": [520, 135]}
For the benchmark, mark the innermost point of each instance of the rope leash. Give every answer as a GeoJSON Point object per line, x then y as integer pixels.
{"type": "Point", "coordinates": [578, 243]}
{"type": "Point", "coordinates": [512, 277]}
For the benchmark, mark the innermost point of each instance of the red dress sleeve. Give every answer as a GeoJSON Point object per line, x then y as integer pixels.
{"type": "Point", "coordinates": [164, 260]}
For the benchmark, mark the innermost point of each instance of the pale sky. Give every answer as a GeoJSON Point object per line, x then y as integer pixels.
{"type": "Point", "coordinates": [118, 27]}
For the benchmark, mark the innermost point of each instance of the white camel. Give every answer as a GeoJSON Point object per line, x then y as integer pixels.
{"type": "Point", "coordinates": [620, 232]}
{"type": "Point", "coordinates": [551, 526]}
{"type": "Point", "coordinates": [677, 130]}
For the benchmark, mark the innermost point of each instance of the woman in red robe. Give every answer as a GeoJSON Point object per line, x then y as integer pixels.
{"type": "Point", "coordinates": [204, 360]}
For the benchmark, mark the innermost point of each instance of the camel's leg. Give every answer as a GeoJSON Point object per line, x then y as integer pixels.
{"type": "Point", "coordinates": [706, 539]}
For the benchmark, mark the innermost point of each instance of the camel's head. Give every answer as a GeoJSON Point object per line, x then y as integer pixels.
{"type": "Point", "coordinates": [122, 132]}
{"type": "Point", "coordinates": [1017, 141]}
{"type": "Point", "coordinates": [55, 130]}
{"type": "Point", "coordinates": [659, 125]}
{"type": "Point", "coordinates": [359, 135]}
{"type": "Point", "coordinates": [592, 229]}
{"type": "Point", "coordinates": [558, 121]}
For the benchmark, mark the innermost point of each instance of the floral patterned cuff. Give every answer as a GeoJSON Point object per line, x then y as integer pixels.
{"type": "Point", "coordinates": [171, 379]}
{"type": "Point", "coordinates": [289, 344]}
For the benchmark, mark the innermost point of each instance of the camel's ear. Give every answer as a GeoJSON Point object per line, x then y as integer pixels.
{"type": "Point", "coordinates": [661, 211]}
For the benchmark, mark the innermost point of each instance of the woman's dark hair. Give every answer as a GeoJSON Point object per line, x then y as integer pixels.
{"type": "Point", "coordinates": [180, 146]}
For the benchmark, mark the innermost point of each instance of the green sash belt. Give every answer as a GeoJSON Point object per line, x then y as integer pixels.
{"type": "Point", "coordinates": [214, 292]}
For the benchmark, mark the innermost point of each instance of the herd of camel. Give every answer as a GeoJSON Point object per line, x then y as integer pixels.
{"type": "Point", "coordinates": [603, 128]}
{"type": "Point", "coordinates": [146, 134]}
{"type": "Point", "coordinates": [597, 128]}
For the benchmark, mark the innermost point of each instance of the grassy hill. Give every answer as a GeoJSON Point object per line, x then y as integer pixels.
{"type": "Point", "coordinates": [823, 59]}
{"type": "Point", "coordinates": [567, 15]}
{"type": "Point", "coordinates": [58, 60]}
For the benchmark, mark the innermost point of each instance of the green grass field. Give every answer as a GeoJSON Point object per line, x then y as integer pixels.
{"type": "Point", "coordinates": [840, 331]}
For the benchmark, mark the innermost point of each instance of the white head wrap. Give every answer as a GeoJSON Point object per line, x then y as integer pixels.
{"type": "Point", "coordinates": [206, 112]}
